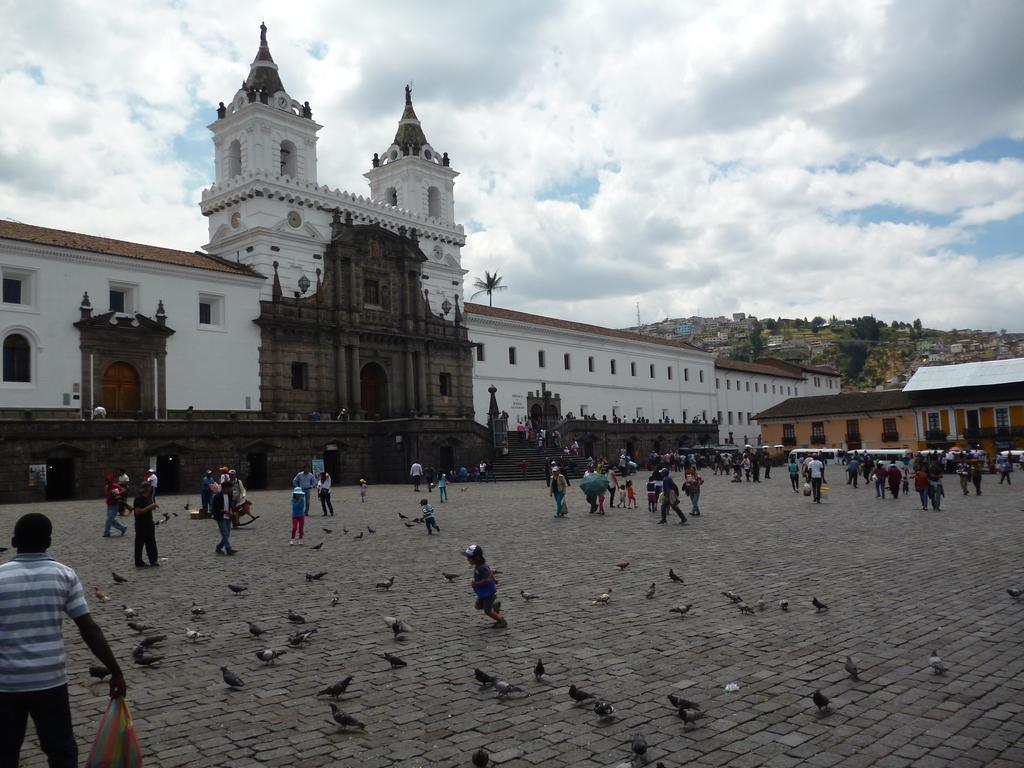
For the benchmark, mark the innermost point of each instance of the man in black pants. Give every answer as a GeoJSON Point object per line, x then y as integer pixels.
{"type": "Point", "coordinates": [145, 530]}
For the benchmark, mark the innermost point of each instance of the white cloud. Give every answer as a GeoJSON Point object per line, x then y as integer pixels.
{"type": "Point", "coordinates": [731, 145]}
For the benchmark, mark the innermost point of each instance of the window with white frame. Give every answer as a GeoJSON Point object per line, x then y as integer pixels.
{"type": "Point", "coordinates": [479, 353]}
{"type": "Point", "coordinates": [670, 373]}
{"type": "Point", "coordinates": [700, 374]}
{"type": "Point", "coordinates": [639, 413]}
{"type": "Point", "coordinates": [652, 370]}
{"type": "Point", "coordinates": [567, 361]}
{"type": "Point", "coordinates": [17, 362]}
{"type": "Point", "coordinates": [122, 297]}
{"type": "Point", "coordinates": [584, 410]}
{"type": "Point", "coordinates": [590, 364]}
{"type": "Point", "coordinates": [18, 287]}
{"type": "Point", "coordinates": [686, 374]}
{"type": "Point", "coordinates": [632, 369]}
{"type": "Point", "coordinates": [611, 367]}
{"type": "Point", "coordinates": [541, 358]}
{"type": "Point", "coordinates": [211, 311]}
{"type": "Point", "coordinates": [1002, 420]}
{"type": "Point", "coordinates": [664, 414]}
{"type": "Point", "coordinates": [511, 355]}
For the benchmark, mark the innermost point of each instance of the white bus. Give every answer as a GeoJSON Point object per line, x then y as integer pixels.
{"type": "Point", "coordinates": [833, 455]}
{"type": "Point", "coordinates": [904, 455]}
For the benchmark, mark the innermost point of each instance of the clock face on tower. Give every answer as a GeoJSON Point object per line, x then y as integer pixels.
{"type": "Point", "coordinates": [294, 219]}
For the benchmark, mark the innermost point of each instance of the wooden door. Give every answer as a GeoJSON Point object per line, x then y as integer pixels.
{"type": "Point", "coordinates": [121, 391]}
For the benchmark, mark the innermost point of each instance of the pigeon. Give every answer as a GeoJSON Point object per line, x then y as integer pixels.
{"type": "Point", "coordinates": [784, 605]}
{"type": "Point", "coordinates": [681, 610]}
{"type": "Point", "coordinates": [394, 661]}
{"type": "Point", "coordinates": [733, 596]}
{"type": "Point", "coordinates": [138, 651]}
{"type": "Point", "coordinates": [398, 627]}
{"type": "Point", "coordinates": [318, 546]}
{"type": "Point", "coordinates": [675, 576]}
{"type": "Point", "coordinates": [404, 517]}
{"type": "Point", "coordinates": [527, 595]}
{"type": "Point", "coordinates": [232, 680]}
{"type": "Point", "coordinates": [196, 610]}
{"type": "Point", "coordinates": [129, 613]}
{"type": "Point", "coordinates": [344, 530]}
{"type": "Point", "coordinates": [344, 719]}
{"type": "Point", "coordinates": [577, 695]}
{"type": "Point", "coordinates": [358, 535]}
{"type": "Point", "coordinates": [300, 637]}
{"type": "Point", "coordinates": [650, 592]}
{"type": "Point", "coordinates": [1015, 593]}
{"type": "Point", "coordinates": [296, 618]}
{"type": "Point", "coordinates": [102, 596]}
{"type": "Point", "coordinates": [327, 530]}
{"type": "Point", "coordinates": [151, 640]}
{"type": "Point", "coordinates": [818, 605]}
{"type": "Point", "coordinates": [689, 715]}
{"type": "Point", "coordinates": [334, 691]}
{"type": "Point", "coordinates": [192, 634]}
{"type": "Point", "coordinates": [680, 703]}
{"type": "Point", "coordinates": [851, 668]}
{"type": "Point", "coordinates": [821, 702]}
{"type": "Point", "coordinates": [269, 655]}
{"type": "Point", "coordinates": [639, 744]}
{"type": "Point", "coordinates": [504, 688]}
{"type": "Point", "coordinates": [140, 628]}
{"type": "Point", "coordinates": [450, 577]}
{"type": "Point", "coordinates": [237, 588]}
{"type": "Point", "coordinates": [622, 565]}
{"type": "Point", "coordinates": [761, 604]}
{"type": "Point", "coordinates": [335, 598]}
{"type": "Point", "coordinates": [118, 578]}
{"type": "Point", "coordinates": [409, 525]}
{"type": "Point", "coordinates": [936, 663]}
{"type": "Point", "coordinates": [145, 661]}
{"type": "Point", "coordinates": [386, 584]}
{"type": "Point", "coordinates": [483, 678]}
{"type": "Point", "coordinates": [370, 530]}
{"type": "Point", "coordinates": [538, 671]}
{"type": "Point", "coordinates": [744, 608]}
{"type": "Point", "coordinates": [98, 672]}
{"type": "Point", "coordinates": [601, 599]}
{"type": "Point", "coordinates": [603, 709]}
{"type": "Point", "coordinates": [480, 758]}
{"type": "Point", "coordinates": [315, 576]}
{"type": "Point", "coordinates": [255, 629]}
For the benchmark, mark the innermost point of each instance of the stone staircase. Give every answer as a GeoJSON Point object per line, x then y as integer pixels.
{"type": "Point", "coordinates": [507, 467]}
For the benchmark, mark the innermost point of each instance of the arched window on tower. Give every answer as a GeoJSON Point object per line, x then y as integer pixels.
{"type": "Point", "coordinates": [234, 159]}
{"type": "Point", "coordinates": [391, 196]}
{"type": "Point", "coordinates": [17, 359]}
{"type": "Point", "coordinates": [289, 159]}
{"type": "Point", "coordinates": [434, 202]}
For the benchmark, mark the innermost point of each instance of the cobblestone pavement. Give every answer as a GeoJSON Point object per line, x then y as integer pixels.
{"type": "Point", "coordinates": [900, 582]}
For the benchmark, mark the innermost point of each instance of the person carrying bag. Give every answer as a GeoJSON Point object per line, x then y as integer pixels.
{"type": "Point", "coordinates": [116, 744]}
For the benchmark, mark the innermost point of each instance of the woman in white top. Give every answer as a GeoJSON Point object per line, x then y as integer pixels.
{"type": "Point", "coordinates": [323, 487]}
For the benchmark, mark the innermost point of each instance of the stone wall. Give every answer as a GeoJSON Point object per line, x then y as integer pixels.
{"type": "Point", "coordinates": [81, 452]}
{"type": "Point", "coordinates": [602, 438]}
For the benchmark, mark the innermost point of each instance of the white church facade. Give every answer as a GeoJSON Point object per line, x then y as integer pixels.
{"type": "Point", "coordinates": [88, 321]}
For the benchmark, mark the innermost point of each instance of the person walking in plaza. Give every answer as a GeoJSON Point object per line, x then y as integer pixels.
{"type": "Point", "coordinates": [1004, 466]}
{"type": "Point", "coordinates": [935, 489]}
{"type": "Point", "coordinates": [113, 493]}
{"type": "Point", "coordinates": [794, 474]}
{"type": "Point", "coordinates": [557, 490]}
{"type": "Point", "coordinates": [653, 483]}
{"type": "Point", "coordinates": [977, 469]}
{"type": "Point", "coordinates": [630, 495]}
{"type": "Point", "coordinates": [867, 466]}
{"type": "Point", "coordinates": [670, 498]}
{"type": "Point", "coordinates": [35, 593]}
{"type": "Point", "coordinates": [816, 470]}
{"type": "Point", "coordinates": [145, 529]}
{"type": "Point", "coordinates": [922, 486]}
{"type": "Point", "coordinates": [305, 480]}
{"type": "Point", "coordinates": [153, 480]}
{"type": "Point", "coordinates": [206, 490]}
{"type": "Point", "coordinates": [416, 473]}
{"type": "Point", "coordinates": [879, 475]}
{"type": "Point", "coordinates": [298, 515]}
{"type": "Point", "coordinates": [691, 485]}
{"type": "Point", "coordinates": [362, 491]}
{"type": "Point", "coordinates": [852, 470]}
{"type": "Point", "coordinates": [323, 489]}
{"type": "Point", "coordinates": [442, 488]}
{"type": "Point", "coordinates": [484, 585]}
{"type": "Point", "coordinates": [963, 473]}
{"type": "Point", "coordinates": [895, 477]}
{"type": "Point", "coordinates": [427, 513]}
{"type": "Point", "coordinates": [613, 485]}
{"type": "Point", "coordinates": [221, 507]}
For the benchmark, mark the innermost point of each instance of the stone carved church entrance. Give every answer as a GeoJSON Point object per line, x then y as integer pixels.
{"type": "Point", "coordinates": [373, 383]}
{"type": "Point", "coordinates": [121, 391]}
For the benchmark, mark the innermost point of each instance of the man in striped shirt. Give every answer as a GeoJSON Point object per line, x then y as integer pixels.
{"type": "Point", "coordinates": [35, 592]}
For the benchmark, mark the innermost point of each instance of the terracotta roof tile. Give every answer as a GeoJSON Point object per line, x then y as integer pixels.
{"type": "Point", "coordinates": [553, 322]}
{"type": "Point", "coordinates": [847, 402]}
{"type": "Point", "coordinates": [729, 364]}
{"type": "Point", "coordinates": [13, 230]}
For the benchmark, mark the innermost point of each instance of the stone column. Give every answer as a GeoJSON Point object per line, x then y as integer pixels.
{"type": "Point", "coordinates": [427, 391]}
{"type": "Point", "coordinates": [419, 379]}
{"type": "Point", "coordinates": [355, 403]}
{"type": "Point", "coordinates": [341, 399]}
{"type": "Point", "coordinates": [410, 381]}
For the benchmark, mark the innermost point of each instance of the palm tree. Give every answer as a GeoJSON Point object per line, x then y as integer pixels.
{"type": "Point", "coordinates": [488, 284]}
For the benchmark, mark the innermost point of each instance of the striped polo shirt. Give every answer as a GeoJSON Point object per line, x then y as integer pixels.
{"type": "Point", "coordinates": [35, 593]}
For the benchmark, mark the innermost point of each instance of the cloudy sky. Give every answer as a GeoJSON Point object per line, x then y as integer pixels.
{"type": "Point", "coordinates": [779, 158]}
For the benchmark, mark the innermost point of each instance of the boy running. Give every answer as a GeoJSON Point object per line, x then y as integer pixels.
{"type": "Point", "coordinates": [485, 586]}
{"type": "Point", "coordinates": [428, 517]}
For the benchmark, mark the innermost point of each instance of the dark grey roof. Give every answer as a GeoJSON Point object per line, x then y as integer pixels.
{"type": "Point", "coordinates": [829, 405]}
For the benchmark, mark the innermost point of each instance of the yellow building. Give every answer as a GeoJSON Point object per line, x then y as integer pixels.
{"type": "Point", "coordinates": [851, 421]}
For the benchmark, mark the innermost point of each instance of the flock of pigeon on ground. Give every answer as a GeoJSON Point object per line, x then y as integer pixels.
{"type": "Point", "coordinates": [690, 712]}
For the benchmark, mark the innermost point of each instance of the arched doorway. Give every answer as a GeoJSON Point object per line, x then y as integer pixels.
{"type": "Point", "coordinates": [121, 391]}
{"type": "Point", "coordinates": [373, 385]}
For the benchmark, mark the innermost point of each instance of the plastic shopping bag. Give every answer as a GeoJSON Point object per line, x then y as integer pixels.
{"type": "Point", "coordinates": [116, 744]}
{"type": "Point", "coordinates": [807, 489]}
{"type": "Point", "coordinates": [825, 488]}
